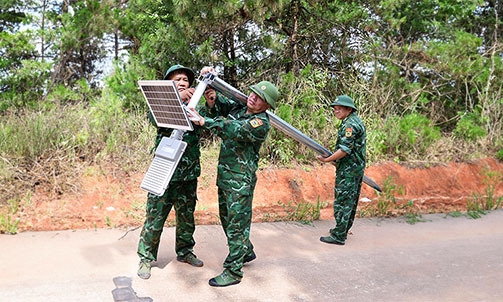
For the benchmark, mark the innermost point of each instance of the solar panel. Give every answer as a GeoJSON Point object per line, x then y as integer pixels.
{"type": "Point", "coordinates": [165, 104]}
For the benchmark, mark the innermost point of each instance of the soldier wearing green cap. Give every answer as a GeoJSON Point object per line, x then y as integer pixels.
{"type": "Point", "coordinates": [243, 128]}
{"type": "Point", "coordinates": [181, 191]}
{"type": "Point", "coordinates": [349, 158]}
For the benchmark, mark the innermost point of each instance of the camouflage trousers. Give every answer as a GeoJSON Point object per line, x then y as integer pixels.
{"type": "Point", "coordinates": [346, 192]}
{"type": "Point", "coordinates": [235, 212]}
{"type": "Point", "coordinates": [182, 195]}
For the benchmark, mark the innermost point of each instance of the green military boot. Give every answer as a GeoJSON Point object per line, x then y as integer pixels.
{"type": "Point", "coordinates": [144, 270]}
{"type": "Point", "coordinates": [332, 240]}
{"type": "Point", "coordinates": [250, 257]}
{"type": "Point", "coordinates": [190, 259]}
{"type": "Point", "coordinates": [224, 279]}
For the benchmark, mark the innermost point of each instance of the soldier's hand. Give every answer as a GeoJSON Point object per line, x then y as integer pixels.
{"type": "Point", "coordinates": [187, 93]}
{"type": "Point", "coordinates": [210, 95]}
{"type": "Point", "coordinates": [207, 69]}
{"type": "Point", "coordinates": [195, 117]}
{"type": "Point", "coordinates": [321, 158]}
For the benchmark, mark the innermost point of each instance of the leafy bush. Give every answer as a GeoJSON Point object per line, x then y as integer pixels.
{"type": "Point", "coordinates": [25, 88]}
{"type": "Point", "coordinates": [499, 155]}
{"type": "Point", "coordinates": [304, 106]}
{"type": "Point", "coordinates": [123, 83]}
{"type": "Point", "coordinates": [469, 127]}
{"type": "Point", "coordinates": [408, 137]}
{"type": "Point", "coordinates": [376, 139]}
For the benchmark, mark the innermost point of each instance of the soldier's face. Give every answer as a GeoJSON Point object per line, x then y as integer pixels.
{"type": "Point", "coordinates": [181, 80]}
{"type": "Point", "coordinates": [256, 104]}
{"type": "Point", "coordinates": [341, 112]}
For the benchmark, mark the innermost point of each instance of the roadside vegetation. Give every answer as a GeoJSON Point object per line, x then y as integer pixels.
{"type": "Point", "coordinates": [425, 75]}
{"type": "Point", "coordinates": [387, 205]}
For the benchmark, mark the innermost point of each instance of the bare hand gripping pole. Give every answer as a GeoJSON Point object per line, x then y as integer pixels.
{"type": "Point", "coordinates": [231, 92]}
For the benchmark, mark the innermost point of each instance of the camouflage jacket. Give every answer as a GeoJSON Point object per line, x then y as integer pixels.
{"type": "Point", "coordinates": [242, 136]}
{"type": "Point", "coordinates": [351, 138]}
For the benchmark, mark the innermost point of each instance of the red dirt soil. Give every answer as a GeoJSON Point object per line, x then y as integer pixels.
{"type": "Point", "coordinates": [108, 201]}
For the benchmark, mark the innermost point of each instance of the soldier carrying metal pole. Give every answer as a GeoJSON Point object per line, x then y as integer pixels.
{"type": "Point", "coordinates": [242, 128]}
{"type": "Point", "coordinates": [232, 93]}
{"type": "Point", "coordinates": [349, 158]}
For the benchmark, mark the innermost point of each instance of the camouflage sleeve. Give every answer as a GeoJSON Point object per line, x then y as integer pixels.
{"type": "Point", "coordinates": [206, 111]}
{"type": "Point", "coordinates": [224, 105]}
{"type": "Point", "coordinates": [254, 129]}
{"type": "Point", "coordinates": [349, 133]}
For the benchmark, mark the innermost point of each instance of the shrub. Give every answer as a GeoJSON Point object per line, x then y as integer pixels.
{"type": "Point", "coordinates": [410, 136]}
{"type": "Point", "coordinates": [469, 127]}
{"type": "Point", "coordinates": [499, 155]}
{"type": "Point", "coordinates": [304, 106]}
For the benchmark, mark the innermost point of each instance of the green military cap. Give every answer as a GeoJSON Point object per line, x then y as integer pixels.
{"type": "Point", "coordinates": [344, 100]}
{"type": "Point", "coordinates": [266, 91]}
{"type": "Point", "coordinates": [178, 67]}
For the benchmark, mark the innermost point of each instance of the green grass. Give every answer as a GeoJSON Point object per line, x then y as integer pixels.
{"type": "Point", "coordinates": [303, 212]}
{"type": "Point", "coordinates": [480, 204]}
{"type": "Point", "coordinates": [8, 222]}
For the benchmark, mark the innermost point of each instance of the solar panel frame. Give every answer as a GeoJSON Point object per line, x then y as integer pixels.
{"type": "Point", "coordinates": [165, 104]}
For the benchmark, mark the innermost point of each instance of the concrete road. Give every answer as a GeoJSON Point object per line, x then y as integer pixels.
{"type": "Point", "coordinates": [440, 259]}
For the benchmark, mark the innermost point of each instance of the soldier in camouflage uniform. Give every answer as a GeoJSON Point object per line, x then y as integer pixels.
{"type": "Point", "coordinates": [243, 128]}
{"type": "Point", "coordinates": [349, 157]}
{"type": "Point", "coordinates": [181, 191]}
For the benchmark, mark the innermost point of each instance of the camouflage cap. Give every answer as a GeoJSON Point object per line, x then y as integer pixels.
{"type": "Point", "coordinates": [178, 67]}
{"type": "Point", "coordinates": [344, 100]}
{"type": "Point", "coordinates": [266, 91]}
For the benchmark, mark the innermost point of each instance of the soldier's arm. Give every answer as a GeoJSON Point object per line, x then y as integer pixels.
{"type": "Point", "coordinates": [251, 130]}
{"type": "Point", "coordinates": [350, 134]}
{"type": "Point", "coordinates": [335, 156]}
